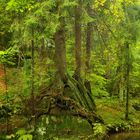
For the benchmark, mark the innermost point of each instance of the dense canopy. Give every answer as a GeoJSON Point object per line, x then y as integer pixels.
{"type": "Point", "coordinates": [69, 67]}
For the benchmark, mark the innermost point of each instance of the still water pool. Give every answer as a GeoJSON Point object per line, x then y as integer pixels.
{"type": "Point", "coordinates": [125, 136]}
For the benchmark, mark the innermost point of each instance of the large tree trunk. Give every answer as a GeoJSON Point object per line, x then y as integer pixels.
{"type": "Point", "coordinates": [89, 31]}
{"type": "Point", "coordinates": [60, 50]}
{"type": "Point", "coordinates": [78, 39]}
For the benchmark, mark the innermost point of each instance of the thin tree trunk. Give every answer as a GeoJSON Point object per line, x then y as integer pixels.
{"type": "Point", "coordinates": [127, 80]}
{"type": "Point", "coordinates": [89, 31]}
{"type": "Point", "coordinates": [78, 39]}
{"type": "Point", "coordinates": [32, 78]}
{"type": "Point", "coordinates": [88, 46]}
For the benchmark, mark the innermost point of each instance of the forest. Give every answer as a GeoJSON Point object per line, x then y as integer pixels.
{"type": "Point", "coordinates": [69, 70]}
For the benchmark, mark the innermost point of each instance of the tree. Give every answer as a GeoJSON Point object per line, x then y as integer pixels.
{"type": "Point", "coordinates": [78, 41]}
{"type": "Point", "coordinates": [60, 50]}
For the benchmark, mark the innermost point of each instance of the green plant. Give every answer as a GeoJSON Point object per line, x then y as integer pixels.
{"type": "Point", "coordinates": [9, 56]}
{"type": "Point", "coordinates": [23, 134]}
{"type": "Point", "coordinates": [99, 130]}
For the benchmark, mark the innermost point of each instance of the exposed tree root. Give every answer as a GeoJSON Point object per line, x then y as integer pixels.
{"type": "Point", "coordinates": [73, 99]}
{"type": "Point", "coordinates": [59, 105]}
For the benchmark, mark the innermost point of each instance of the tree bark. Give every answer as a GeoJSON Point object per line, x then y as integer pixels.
{"type": "Point", "coordinates": [89, 31]}
{"type": "Point", "coordinates": [88, 46]}
{"type": "Point", "coordinates": [127, 79]}
{"type": "Point", "coordinates": [78, 39]}
{"type": "Point", "coordinates": [32, 78]}
{"type": "Point", "coordinates": [60, 50]}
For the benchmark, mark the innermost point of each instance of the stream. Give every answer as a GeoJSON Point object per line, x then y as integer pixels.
{"type": "Point", "coordinates": [125, 136]}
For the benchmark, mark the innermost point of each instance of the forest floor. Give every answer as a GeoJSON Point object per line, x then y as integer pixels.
{"type": "Point", "coordinates": [112, 112]}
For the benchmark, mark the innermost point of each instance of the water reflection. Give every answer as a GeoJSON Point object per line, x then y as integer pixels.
{"type": "Point", "coordinates": [125, 136]}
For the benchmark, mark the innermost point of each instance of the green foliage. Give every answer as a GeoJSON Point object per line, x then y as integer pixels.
{"type": "Point", "coordinates": [9, 57]}
{"type": "Point", "coordinates": [114, 23]}
{"type": "Point", "coordinates": [99, 82]}
{"type": "Point", "coordinates": [21, 134]}
{"type": "Point", "coordinates": [26, 137]}
{"type": "Point", "coordinates": [135, 72]}
{"type": "Point", "coordinates": [27, 78]}
{"type": "Point", "coordinates": [113, 111]}
{"type": "Point", "coordinates": [19, 6]}
{"type": "Point", "coordinates": [97, 78]}
{"type": "Point", "coordinates": [99, 130]}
